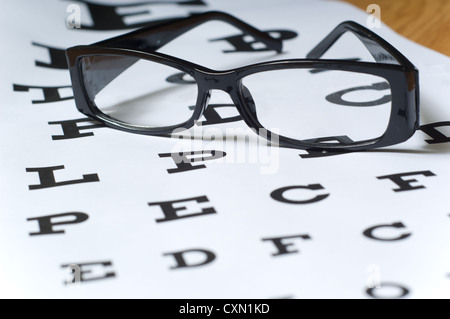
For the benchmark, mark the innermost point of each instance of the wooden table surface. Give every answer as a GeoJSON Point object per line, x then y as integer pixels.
{"type": "Point", "coordinates": [424, 21]}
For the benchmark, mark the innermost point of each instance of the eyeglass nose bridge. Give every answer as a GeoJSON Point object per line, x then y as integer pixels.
{"type": "Point", "coordinates": [230, 83]}
{"type": "Point", "coordinates": [224, 81]}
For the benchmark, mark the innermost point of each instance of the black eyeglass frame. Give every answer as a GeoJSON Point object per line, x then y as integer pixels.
{"type": "Point", "coordinates": [391, 65]}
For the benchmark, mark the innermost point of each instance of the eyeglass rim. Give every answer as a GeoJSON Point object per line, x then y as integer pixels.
{"type": "Point", "coordinates": [398, 76]}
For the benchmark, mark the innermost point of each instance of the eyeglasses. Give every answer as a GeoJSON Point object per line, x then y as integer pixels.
{"type": "Point", "coordinates": [311, 103]}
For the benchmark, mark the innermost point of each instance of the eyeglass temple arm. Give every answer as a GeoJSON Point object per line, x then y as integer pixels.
{"type": "Point", "coordinates": [380, 49]}
{"type": "Point", "coordinates": [154, 37]}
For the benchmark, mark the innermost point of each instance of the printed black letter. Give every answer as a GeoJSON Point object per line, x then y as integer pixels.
{"type": "Point", "coordinates": [213, 117]}
{"type": "Point", "coordinates": [57, 58]}
{"type": "Point", "coordinates": [369, 233]}
{"type": "Point", "coordinates": [342, 140]}
{"type": "Point", "coordinates": [246, 43]}
{"type": "Point", "coordinates": [47, 177]}
{"type": "Point", "coordinates": [282, 247]}
{"type": "Point", "coordinates": [183, 160]}
{"type": "Point", "coordinates": [405, 184]}
{"type": "Point", "coordinates": [46, 223]}
{"type": "Point", "coordinates": [85, 269]}
{"type": "Point", "coordinates": [72, 130]}
{"type": "Point", "coordinates": [51, 93]}
{"type": "Point", "coordinates": [279, 194]}
{"type": "Point", "coordinates": [170, 212]}
{"type": "Point", "coordinates": [179, 256]}
{"type": "Point", "coordinates": [112, 17]}
{"type": "Point", "coordinates": [377, 292]}
{"type": "Point", "coordinates": [438, 137]}
{"type": "Point", "coordinates": [336, 98]}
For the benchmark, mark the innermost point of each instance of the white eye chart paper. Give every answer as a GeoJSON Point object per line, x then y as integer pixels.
{"type": "Point", "coordinates": [87, 211]}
